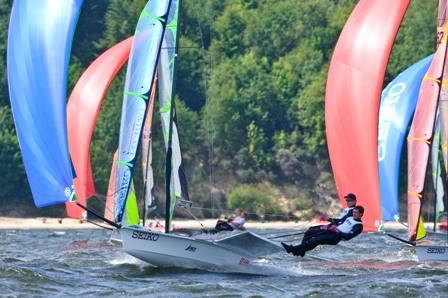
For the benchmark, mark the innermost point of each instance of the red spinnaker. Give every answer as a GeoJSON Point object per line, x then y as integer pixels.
{"type": "Point", "coordinates": [352, 101]}
{"type": "Point", "coordinates": [82, 111]}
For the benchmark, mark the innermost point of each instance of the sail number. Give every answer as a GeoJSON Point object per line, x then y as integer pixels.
{"type": "Point", "coordinates": [435, 250]}
{"type": "Point", "coordinates": [145, 236]}
{"type": "Point", "coordinates": [440, 35]}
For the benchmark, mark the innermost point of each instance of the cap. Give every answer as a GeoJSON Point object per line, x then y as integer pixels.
{"type": "Point", "coordinates": [350, 196]}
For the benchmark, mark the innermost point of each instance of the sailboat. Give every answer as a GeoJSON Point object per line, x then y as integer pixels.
{"type": "Point", "coordinates": [155, 44]}
{"type": "Point", "coordinates": [433, 95]}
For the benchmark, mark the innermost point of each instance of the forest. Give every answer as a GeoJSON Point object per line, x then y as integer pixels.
{"type": "Point", "coordinates": [250, 102]}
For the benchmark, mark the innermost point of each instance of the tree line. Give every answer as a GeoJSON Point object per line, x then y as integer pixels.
{"type": "Point", "coordinates": [250, 97]}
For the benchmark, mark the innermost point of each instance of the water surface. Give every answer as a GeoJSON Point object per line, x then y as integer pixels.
{"type": "Point", "coordinates": [83, 263]}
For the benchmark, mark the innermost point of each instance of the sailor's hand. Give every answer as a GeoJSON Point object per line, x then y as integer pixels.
{"type": "Point", "coordinates": [323, 218]}
{"type": "Point", "coordinates": [333, 229]}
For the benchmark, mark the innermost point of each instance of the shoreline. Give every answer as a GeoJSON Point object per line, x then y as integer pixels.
{"type": "Point", "coordinates": [15, 223]}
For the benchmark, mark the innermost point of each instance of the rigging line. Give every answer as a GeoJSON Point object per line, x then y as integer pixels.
{"type": "Point", "coordinates": [294, 230]}
{"type": "Point", "coordinates": [402, 240]}
{"type": "Point", "coordinates": [248, 212]}
{"type": "Point", "coordinates": [194, 217]}
{"type": "Point", "coordinates": [287, 235]}
{"type": "Point", "coordinates": [98, 225]}
{"type": "Point", "coordinates": [99, 216]}
{"type": "Point", "coordinates": [207, 114]}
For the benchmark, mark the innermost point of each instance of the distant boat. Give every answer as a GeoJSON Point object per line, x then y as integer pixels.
{"type": "Point", "coordinates": [433, 94]}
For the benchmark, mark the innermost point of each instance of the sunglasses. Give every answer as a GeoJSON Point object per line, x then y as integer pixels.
{"type": "Point", "coordinates": [349, 200]}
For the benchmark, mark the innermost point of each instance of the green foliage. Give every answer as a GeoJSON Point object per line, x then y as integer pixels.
{"type": "Point", "coordinates": [5, 10]}
{"type": "Point", "coordinates": [261, 199]}
{"type": "Point", "coordinates": [15, 187]}
{"type": "Point", "coordinates": [312, 129]}
{"type": "Point", "coordinates": [228, 28]}
{"type": "Point", "coordinates": [191, 73]}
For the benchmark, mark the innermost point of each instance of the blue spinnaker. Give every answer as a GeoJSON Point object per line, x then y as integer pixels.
{"type": "Point", "coordinates": [39, 44]}
{"type": "Point", "coordinates": [398, 102]}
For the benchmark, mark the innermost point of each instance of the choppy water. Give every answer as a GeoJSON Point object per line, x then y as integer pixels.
{"type": "Point", "coordinates": [82, 263]}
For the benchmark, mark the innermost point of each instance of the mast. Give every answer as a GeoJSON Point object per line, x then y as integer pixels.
{"type": "Point", "coordinates": [169, 147]}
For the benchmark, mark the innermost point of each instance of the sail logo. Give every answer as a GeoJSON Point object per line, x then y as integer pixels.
{"type": "Point", "coordinates": [145, 236]}
{"type": "Point", "coordinates": [125, 184]}
{"type": "Point", "coordinates": [191, 248]}
{"type": "Point", "coordinates": [433, 250]}
{"type": "Point", "coordinates": [387, 112]}
{"type": "Point", "coordinates": [244, 261]}
{"type": "Point", "coordinates": [137, 129]}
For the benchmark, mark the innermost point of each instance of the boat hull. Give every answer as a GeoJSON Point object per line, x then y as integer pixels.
{"type": "Point", "coordinates": [434, 252]}
{"type": "Point", "coordinates": [170, 250]}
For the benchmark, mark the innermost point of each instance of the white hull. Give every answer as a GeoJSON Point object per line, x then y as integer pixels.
{"type": "Point", "coordinates": [234, 253]}
{"type": "Point", "coordinates": [433, 252]}
{"type": "Point", "coordinates": [115, 237]}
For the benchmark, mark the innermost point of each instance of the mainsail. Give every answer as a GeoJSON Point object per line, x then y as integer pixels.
{"type": "Point", "coordinates": [352, 100]}
{"type": "Point", "coordinates": [39, 44]}
{"type": "Point", "coordinates": [176, 185]}
{"type": "Point", "coordinates": [139, 81]}
{"type": "Point", "coordinates": [82, 111]}
{"type": "Point", "coordinates": [398, 102]}
{"type": "Point", "coordinates": [422, 131]}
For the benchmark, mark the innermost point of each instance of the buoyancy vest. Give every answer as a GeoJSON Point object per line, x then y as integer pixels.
{"type": "Point", "coordinates": [345, 212]}
{"type": "Point", "coordinates": [348, 224]}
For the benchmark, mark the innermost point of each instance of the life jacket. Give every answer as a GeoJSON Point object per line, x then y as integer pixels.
{"type": "Point", "coordinates": [348, 224]}
{"type": "Point", "coordinates": [345, 212]}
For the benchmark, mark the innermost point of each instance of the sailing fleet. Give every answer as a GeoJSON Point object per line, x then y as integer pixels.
{"type": "Point", "coordinates": [364, 147]}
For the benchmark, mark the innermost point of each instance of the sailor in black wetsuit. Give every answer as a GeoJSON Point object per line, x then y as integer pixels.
{"type": "Point", "coordinates": [329, 234]}
{"type": "Point", "coordinates": [350, 199]}
{"type": "Point", "coordinates": [346, 213]}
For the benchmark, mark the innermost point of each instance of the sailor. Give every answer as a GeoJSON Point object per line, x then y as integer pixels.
{"type": "Point", "coordinates": [350, 199]}
{"type": "Point", "coordinates": [232, 224]}
{"type": "Point", "coordinates": [329, 234]}
{"type": "Point", "coordinates": [238, 222]}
